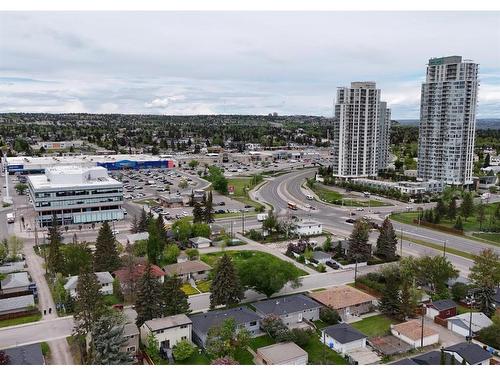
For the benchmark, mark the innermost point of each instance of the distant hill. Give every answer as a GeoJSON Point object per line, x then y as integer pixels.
{"type": "Point", "coordinates": [482, 123]}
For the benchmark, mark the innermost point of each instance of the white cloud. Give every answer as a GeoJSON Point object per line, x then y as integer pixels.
{"type": "Point", "coordinates": [162, 102]}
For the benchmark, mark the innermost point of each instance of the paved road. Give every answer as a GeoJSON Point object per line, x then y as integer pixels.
{"type": "Point", "coordinates": [287, 187]}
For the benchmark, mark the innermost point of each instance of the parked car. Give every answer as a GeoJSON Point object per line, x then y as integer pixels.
{"type": "Point", "coordinates": [222, 203]}
{"type": "Point", "coordinates": [350, 221]}
{"type": "Point", "coordinates": [333, 265]}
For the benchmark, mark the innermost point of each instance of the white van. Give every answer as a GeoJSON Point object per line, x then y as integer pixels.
{"type": "Point", "coordinates": [310, 197]}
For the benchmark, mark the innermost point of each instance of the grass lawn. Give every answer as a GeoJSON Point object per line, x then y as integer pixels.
{"type": "Point", "coordinates": [320, 324]}
{"type": "Point", "coordinates": [20, 320]}
{"type": "Point", "coordinates": [439, 247]}
{"type": "Point", "coordinates": [188, 289]}
{"type": "Point", "coordinates": [239, 192]}
{"type": "Point", "coordinates": [240, 257]}
{"type": "Point", "coordinates": [320, 354]}
{"type": "Point", "coordinates": [204, 285]}
{"type": "Point", "coordinates": [233, 214]}
{"type": "Point", "coordinates": [493, 238]}
{"type": "Point", "coordinates": [334, 197]}
{"type": "Point", "coordinates": [405, 217]}
{"type": "Point", "coordinates": [149, 202]}
{"type": "Point", "coordinates": [377, 325]}
{"type": "Point", "coordinates": [199, 358]}
{"type": "Point", "coordinates": [111, 299]}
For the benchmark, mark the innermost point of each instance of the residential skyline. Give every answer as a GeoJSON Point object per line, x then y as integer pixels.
{"type": "Point", "coordinates": [233, 62]}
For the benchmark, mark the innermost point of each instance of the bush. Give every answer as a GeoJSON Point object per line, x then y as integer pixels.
{"type": "Point", "coordinates": [329, 316]}
{"type": "Point", "coordinates": [183, 350]}
{"type": "Point", "coordinates": [321, 267]}
{"type": "Point", "coordinates": [459, 291]}
{"type": "Point", "coordinates": [274, 326]}
{"type": "Point", "coordinates": [255, 235]}
{"type": "Point", "coordinates": [192, 254]}
{"type": "Point", "coordinates": [301, 337]}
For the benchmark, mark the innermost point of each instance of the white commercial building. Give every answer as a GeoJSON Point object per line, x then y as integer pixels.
{"type": "Point", "coordinates": [448, 121]}
{"type": "Point", "coordinates": [361, 131]}
{"type": "Point", "coordinates": [75, 195]}
{"type": "Point", "coordinates": [410, 188]}
{"type": "Point", "coordinates": [309, 228]}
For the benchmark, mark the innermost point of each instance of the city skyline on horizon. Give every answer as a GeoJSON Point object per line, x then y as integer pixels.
{"type": "Point", "coordinates": [246, 63]}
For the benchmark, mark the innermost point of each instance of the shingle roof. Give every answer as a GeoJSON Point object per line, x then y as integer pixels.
{"type": "Point", "coordinates": [102, 277]}
{"type": "Point", "coordinates": [130, 329]}
{"type": "Point", "coordinates": [341, 296]}
{"type": "Point", "coordinates": [186, 267]}
{"type": "Point", "coordinates": [204, 321]}
{"type": "Point", "coordinates": [14, 303]}
{"type": "Point", "coordinates": [443, 304]}
{"type": "Point", "coordinates": [413, 329]}
{"type": "Point", "coordinates": [167, 322]}
{"type": "Point", "coordinates": [432, 358]}
{"type": "Point", "coordinates": [199, 240]}
{"type": "Point", "coordinates": [286, 305]}
{"type": "Point", "coordinates": [12, 267]}
{"type": "Point", "coordinates": [404, 361]}
{"type": "Point", "coordinates": [472, 353]}
{"type": "Point", "coordinates": [15, 280]}
{"type": "Point", "coordinates": [479, 321]}
{"type": "Point", "coordinates": [124, 275]}
{"type": "Point", "coordinates": [320, 255]}
{"type": "Point", "coordinates": [26, 355]}
{"type": "Point", "coordinates": [344, 333]}
{"type": "Point", "coordinates": [281, 352]}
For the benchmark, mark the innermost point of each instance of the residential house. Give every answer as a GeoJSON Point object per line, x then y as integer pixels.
{"type": "Point", "coordinates": [132, 334]}
{"type": "Point", "coordinates": [243, 318]}
{"type": "Point", "coordinates": [411, 332]}
{"type": "Point", "coordinates": [291, 309]}
{"type": "Point", "coordinates": [343, 337]}
{"type": "Point", "coordinates": [443, 309]}
{"type": "Point", "coordinates": [200, 242]}
{"type": "Point", "coordinates": [168, 331]}
{"type": "Point", "coordinates": [30, 354]}
{"type": "Point", "coordinates": [283, 353]}
{"type": "Point", "coordinates": [17, 304]}
{"type": "Point", "coordinates": [430, 358]}
{"type": "Point", "coordinates": [15, 283]}
{"type": "Point", "coordinates": [12, 267]}
{"type": "Point", "coordinates": [347, 301]}
{"type": "Point", "coordinates": [134, 237]}
{"type": "Point", "coordinates": [472, 353]}
{"type": "Point", "coordinates": [104, 278]}
{"type": "Point", "coordinates": [189, 270]}
{"type": "Point", "coordinates": [125, 276]}
{"type": "Point", "coordinates": [320, 257]}
{"type": "Point", "coordinates": [461, 323]}
{"type": "Point", "coordinates": [308, 228]}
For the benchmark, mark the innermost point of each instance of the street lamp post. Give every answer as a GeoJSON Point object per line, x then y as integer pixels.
{"type": "Point", "coordinates": [470, 302]}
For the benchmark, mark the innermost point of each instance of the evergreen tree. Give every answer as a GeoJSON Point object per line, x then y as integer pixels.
{"type": "Point", "coordinates": [55, 256]}
{"type": "Point", "coordinates": [154, 244]}
{"type": "Point", "coordinates": [175, 301]}
{"type": "Point", "coordinates": [481, 215]}
{"type": "Point", "coordinates": [390, 302]}
{"type": "Point", "coordinates": [198, 213]}
{"type": "Point", "coordinates": [107, 341]}
{"type": "Point", "coordinates": [106, 256]}
{"type": "Point", "coordinates": [135, 225]}
{"type": "Point", "coordinates": [467, 207]}
{"type": "Point", "coordinates": [226, 288]}
{"type": "Point", "coordinates": [129, 282]}
{"type": "Point", "coordinates": [208, 214]}
{"type": "Point", "coordinates": [143, 222]}
{"type": "Point", "coordinates": [191, 199]}
{"type": "Point", "coordinates": [359, 248]}
{"type": "Point", "coordinates": [452, 209]}
{"type": "Point", "coordinates": [387, 241]}
{"type": "Point", "coordinates": [441, 208]}
{"type": "Point", "coordinates": [458, 224]}
{"type": "Point", "coordinates": [162, 233]}
{"type": "Point", "coordinates": [148, 302]}
{"type": "Point", "coordinates": [89, 305]}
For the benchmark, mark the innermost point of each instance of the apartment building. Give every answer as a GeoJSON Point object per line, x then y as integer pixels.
{"type": "Point", "coordinates": [76, 195]}
{"type": "Point", "coordinates": [361, 131]}
{"type": "Point", "coordinates": [448, 120]}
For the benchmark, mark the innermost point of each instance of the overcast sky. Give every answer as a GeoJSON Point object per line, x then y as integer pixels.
{"type": "Point", "coordinates": [226, 62]}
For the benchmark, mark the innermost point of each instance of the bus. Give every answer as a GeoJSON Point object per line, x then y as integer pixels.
{"type": "Point", "coordinates": [292, 206]}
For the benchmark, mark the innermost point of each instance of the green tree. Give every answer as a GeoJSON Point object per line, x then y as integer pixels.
{"type": "Point", "coordinates": [171, 253]}
{"type": "Point", "coordinates": [441, 208]}
{"type": "Point", "coordinates": [481, 215]}
{"type": "Point", "coordinates": [452, 209]}
{"type": "Point", "coordinates": [387, 241]}
{"type": "Point", "coordinates": [198, 213]}
{"type": "Point", "coordinates": [485, 275]}
{"type": "Point", "coordinates": [154, 247]}
{"type": "Point", "coordinates": [89, 305]}
{"type": "Point", "coordinates": [175, 301]}
{"type": "Point", "coordinates": [183, 350]}
{"type": "Point", "coordinates": [268, 276]}
{"type": "Point", "coordinates": [224, 340]}
{"type": "Point", "coordinates": [458, 224]}
{"type": "Point", "coordinates": [270, 223]}
{"type": "Point", "coordinates": [359, 248]}
{"type": "Point", "coordinates": [151, 348]}
{"type": "Point", "coordinates": [148, 304]}
{"type": "Point", "coordinates": [21, 188]}
{"type": "Point", "coordinates": [208, 212]}
{"type": "Point", "coordinates": [15, 246]}
{"type": "Point", "coordinates": [329, 316]}
{"type": "Point", "coordinates": [55, 256]}
{"type": "Point", "coordinates": [436, 271]}
{"type": "Point", "coordinates": [106, 256]}
{"type": "Point", "coordinates": [182, 230]}
{"type": "Point", "coordinates": [59, 294]}
{"type": "Point", "coordinates": [107, 340]}
{"type": "Point", "coordinates": [201, 230]}
{"type": "Point", "coordinates": [467, 206]}
{"type": "Point", "coordinates": [216, 177]}
{"type": "Point", "coordinates": [193, 163]}
{"type": "Point", "coordinates": [390, 302]}
{"type": "Point", "coordinates": [328, 244]}
{"type": "Point", "coordinates": [117, 290]}
{"type": "Point", "coordinates": [76, 257]}
{"type": "Point", "coordinates": [143, 222]}
{"type": "Point", "coordinates": [226, 288]}
{"type": "Point", "coordinates": [4, 252]}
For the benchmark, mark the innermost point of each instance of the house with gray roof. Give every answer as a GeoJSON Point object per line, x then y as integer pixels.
{"type": "Point", "coordinates": [25, 355]}
{"type": "Point", "coordinates": [472, 353]}
{"type": "Point", "coordinates": [12, 267]}
{"type": "Point", "coordinates": [132, 334]}
{"type": "Point", "coordinates": [105, 280]}
{"type": "Point", "coordinates": [16, 304]}
{"type": "Point", "coordinates": [15, 283]}
{"type": "Point", "coordinates": [320, 257]}
{"type": "Point", "coordinates": [200, 242]}
{"type": "Point", "coordinates": [343, 338]}
{"type": "Point", "coordinates": [444, 308]}
{"type": "Point", "coordinates": [291, 309]}
{"type": "Point", "coordinates": [242, 316]}
{"type": "Point", "coordinates": [462, 323]}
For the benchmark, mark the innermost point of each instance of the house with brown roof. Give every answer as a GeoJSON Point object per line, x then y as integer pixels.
{"type": "Point", "coordinates": [190, 269]}
{"type": "Point", "coordinates": [412, 333]}
{"type": "Point", "coordinates": [168, 331]}
{"type": "Point", "coordinates": [126, 276]}
{"type": "Point", "coordinates": [347, 301]}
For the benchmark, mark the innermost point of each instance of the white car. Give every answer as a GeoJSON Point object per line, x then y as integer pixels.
{"type": "Point", "coordinates": [360, 209]}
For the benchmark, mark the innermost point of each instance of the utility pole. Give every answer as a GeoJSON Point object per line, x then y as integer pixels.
{"type": "Point", "coordinates": [422, 333]}
{"type": "Point", "coordinates": [444, 248]}
{"type": "Point", "coordinates": [243, 222]}
{"type": "Point", "coordinates": [401, 242]}
{"type": "Point", "coordinates": [470, 302]}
